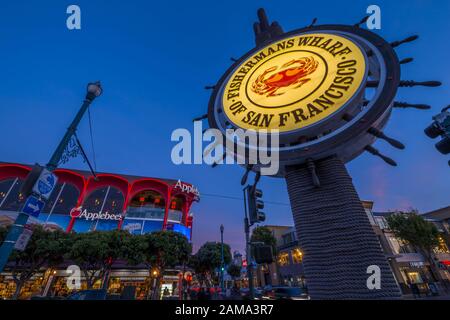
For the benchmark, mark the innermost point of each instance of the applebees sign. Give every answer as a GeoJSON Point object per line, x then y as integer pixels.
{"type": "Point", "coordinates": [79, 213]}
{"type": "Point", "coordinates": [187, 188]}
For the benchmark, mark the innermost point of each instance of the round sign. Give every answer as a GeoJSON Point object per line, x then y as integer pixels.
{"type": "Point", "coordinates": [325, 88]}
{"type": "Point", "coordinates": [294, 82]}
{"type": "Point", "coordinates": [46, 183]}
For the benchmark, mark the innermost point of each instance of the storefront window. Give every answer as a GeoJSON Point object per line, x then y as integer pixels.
{"type": "Point", "coordinates": [297, 255]}
{"type": "Point", "coordinates": [176, 209]}
{"type": "Point", "coordinates": [283, 259]}
{"type": "Point", "coordinates": [94, 202]}
{"type": "Point", "coordinates": [147, 204]}
{"type": "Point", "coordinates": [63, 198]}
{"type": "Point", "coordinates": [415, 277]}
{"type": "Point", "coordinates": [11, 199]}
{"type": "Point", "coordinates": [114, 202]}
{"type": "Point", "coordinates": [442, 247]}
{"type": "Point", "coordinates": [107, 199]}
{"type": "Point", "coordinates": [5, 186]}
{"type": "Point", "coordinates": [394, 243]}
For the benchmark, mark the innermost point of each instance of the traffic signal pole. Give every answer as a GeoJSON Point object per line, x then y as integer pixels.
{"type": "Point", "coordinates": [248, 254]}
{"type": "Point", "coordinates": [93, 91]}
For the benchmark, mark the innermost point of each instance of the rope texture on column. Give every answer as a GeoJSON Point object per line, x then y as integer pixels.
{"type": "Point", "coordinates": [335, 235]}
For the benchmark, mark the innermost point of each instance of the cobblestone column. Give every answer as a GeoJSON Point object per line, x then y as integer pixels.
{"type": "Point", "coordinates": [335, 235]}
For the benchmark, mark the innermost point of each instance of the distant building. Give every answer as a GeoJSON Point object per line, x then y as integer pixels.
{"type": "Point", "coordinates": [289, 260]}
{"type": "Point", "coordinates": [237, 258]}
{"type": "Point", "coordinates": [287, 268]}
{"type": "Point", "coordinates": [408, 265]}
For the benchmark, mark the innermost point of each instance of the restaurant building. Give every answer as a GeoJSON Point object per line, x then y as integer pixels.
{"type": "Point", "coordinates": [83, 203]}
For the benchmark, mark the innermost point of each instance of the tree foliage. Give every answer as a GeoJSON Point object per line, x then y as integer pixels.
{"type": "Point", "coordinates": [209, 257]}
{"type": "Point", "coordinates": [419, 233]}
{"type": "Point", "coordinates": [95, 252]}
{"type": "Point", "coordinates": [264, 234]}
{"type": "Point", "coordinates": [415, 230]}
{"type": "Point", "coordinates": [3, 233]}
{"type": "Point", "coordinates": [167, 249]}
{"type": "Point", "coordinates": [44, 249]}
{"type": "Point", "coordinates": [234, 271]}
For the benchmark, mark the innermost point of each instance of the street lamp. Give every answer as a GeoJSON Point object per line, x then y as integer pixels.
{"type": "Point", "coordinates": [94, 90]}
{"type": "Point", "coordinates": [222, 262]}
{"type": "Point", "coordinates": [155, 274]}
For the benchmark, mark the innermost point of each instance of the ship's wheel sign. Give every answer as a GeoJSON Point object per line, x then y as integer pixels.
{"type": "Point", "coordinates": [294, 82]}
{"type": "Point", "coordinates": [329, 90]}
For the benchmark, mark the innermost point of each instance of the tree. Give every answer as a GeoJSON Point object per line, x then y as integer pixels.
{"type": "Point", "coordinates": [136, 249]}
{"type": "Point", "coordinates": [234, 271]}
{"type": "Point", "coordinates": [95, 252]}
{"type": "Point", "coordinates": [264, 234]}
{"type": "Point", "coordinates": [44, 249]}
{"type": "Point", "coordinates": [209, 257]}
{"type": "Point", "coordinates": [166, 249]}
{"type": "Point", "coordinates": [3, 233]}
{"type": "Point", "coordinates": [419, 233]}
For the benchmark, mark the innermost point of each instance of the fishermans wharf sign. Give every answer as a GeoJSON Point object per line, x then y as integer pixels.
{"type": "Point", "coordinates": [294, 83]}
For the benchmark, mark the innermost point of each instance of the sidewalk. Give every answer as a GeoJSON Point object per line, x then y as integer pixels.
{"type": "Point", "coordinates": [423, 297]}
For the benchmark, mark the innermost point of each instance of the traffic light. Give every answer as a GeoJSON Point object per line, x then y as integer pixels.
{"type": "Point", "coordinates": [263, 254]}
{"type": "Point", "coordinates": [254, 205]}
{"type": "Point", "coordinates": [441, 127]}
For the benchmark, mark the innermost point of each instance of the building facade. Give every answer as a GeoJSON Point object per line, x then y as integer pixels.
{"type": "Point", "coordinates": [82, 203]}
{"type": "Point", "coordinates": [289, 260]}
{"type": "Point", "coordinates": [408, 265]}
{"type": "Point", "coordinates": [287, 269]}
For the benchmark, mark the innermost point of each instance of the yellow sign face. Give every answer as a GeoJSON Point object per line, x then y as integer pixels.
{"type": "Point", "coordinates": [294, 83]}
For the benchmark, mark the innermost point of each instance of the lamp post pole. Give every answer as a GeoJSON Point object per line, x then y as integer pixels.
{"type": "Point", "coordinates": [93, 91]}
{"type": "Point", "coordinates": [221, 261]}
{"type": "Point", "coordinates": [248, 253]}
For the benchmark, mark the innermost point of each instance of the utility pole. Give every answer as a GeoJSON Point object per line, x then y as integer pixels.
{"type": "Point", "coordinates": [222, 260]}
{"type": "Point", "coordinates": [248, 254]}
{"type": "Point", "coordinates": [94, 90]}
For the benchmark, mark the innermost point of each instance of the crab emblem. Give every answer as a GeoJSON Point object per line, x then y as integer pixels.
{"type": "Point", "coordinates": [290, 75]}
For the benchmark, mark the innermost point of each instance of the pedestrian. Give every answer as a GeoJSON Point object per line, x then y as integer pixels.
{"type": "Point", "coordinates": [166, 292]}
{"type": "Point", "coordinates": [415, 290]}
{"type": "Point", "coordinates": [228, 293]}
{"type": "Point", "coordinates": [201, 294]}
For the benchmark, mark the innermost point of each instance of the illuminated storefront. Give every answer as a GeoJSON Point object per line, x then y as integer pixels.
{"type": "Point", "coordinates": [81, 203]}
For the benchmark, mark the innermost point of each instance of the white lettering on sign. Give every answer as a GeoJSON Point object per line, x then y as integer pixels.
{"type": "Point", "coordinates": [79, 213]}
{"type": "Point", "coordinates": [187, 188]}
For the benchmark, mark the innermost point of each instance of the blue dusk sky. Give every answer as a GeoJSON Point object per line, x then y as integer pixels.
{"type": "Point", "coordinates": [154, 59]}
